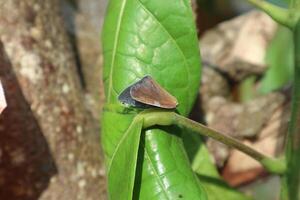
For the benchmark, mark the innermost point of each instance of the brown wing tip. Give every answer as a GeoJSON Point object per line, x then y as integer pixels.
{"type": "Point", "coordinates": [149, 92]}
{"type": "Point", "coordinates": [146, 93]}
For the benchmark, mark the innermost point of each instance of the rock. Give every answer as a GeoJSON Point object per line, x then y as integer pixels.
{"type": "Point", "coordinates": [237, 47]}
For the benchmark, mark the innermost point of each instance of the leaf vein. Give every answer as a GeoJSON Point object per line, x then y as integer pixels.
{"type": "Point", "coordinates": [156, 174]}
{"type": "Point", "coordinates": [172, 39]}
{"type": "Point", "coordinates": [116, 42]}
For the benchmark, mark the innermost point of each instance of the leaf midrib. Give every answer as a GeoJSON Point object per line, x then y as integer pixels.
{"type": "Point", "coordinates": [116, 42]}
{"type": "Point", "coordinates": [120, 142]}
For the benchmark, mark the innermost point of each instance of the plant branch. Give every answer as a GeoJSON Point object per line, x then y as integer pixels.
{"type": "Point", "coordinates": [281, 15]}
{"type": "Point", "coordinates": [293, 138]}
{"type": "Point", "coordinates": [165, 118]}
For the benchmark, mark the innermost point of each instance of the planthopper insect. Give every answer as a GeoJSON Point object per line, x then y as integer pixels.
{"type": "Point", "coordinates": [147, 93]}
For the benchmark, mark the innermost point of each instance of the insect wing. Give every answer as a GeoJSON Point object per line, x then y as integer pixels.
{"type": "Point", "coordinates": [149, 92]}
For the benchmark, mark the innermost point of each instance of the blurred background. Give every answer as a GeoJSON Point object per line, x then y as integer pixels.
{"type": "Point", "coordinates": [51, 70]}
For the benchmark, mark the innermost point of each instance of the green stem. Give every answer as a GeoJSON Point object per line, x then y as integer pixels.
{"type": "Point", "coordinates": [165, 118]}
{"type": "Point", "coordinates": [293, 138]}
{"type": "Point", "coordinates": [281, 15]}
{"type": "Point", "coordinates": [295, 4]}
{"type": "Point", "coordinates": [291, 19]}
{"type": "Point", "coordinates": [199, 128]}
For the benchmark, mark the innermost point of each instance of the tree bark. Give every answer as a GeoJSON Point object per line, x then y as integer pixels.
{"type": "Point", "coordinates": [2, 99]}
{"type": "Point", "coordinates": [47, 124]}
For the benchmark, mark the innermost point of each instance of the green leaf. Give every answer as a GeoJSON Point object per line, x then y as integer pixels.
{"type": "Point", "coordinates": [120, 142]}
{"type": "Point", "coordinates": [166, 170]}
{"type": "Point", "coordinates": [280, 60]}
{"type": "Point", "coordinates": [203, 165]}
{"type": "Point", "coordinates": [151, 37]}
{"type": "Point", "coordinates": [120, 185]}
{"type": "Point", "coordinates": [246, 89]}
{"type": "Point", "coordinates": [157, 38]}
{"type": "Point", "coordinates": [211, 180]}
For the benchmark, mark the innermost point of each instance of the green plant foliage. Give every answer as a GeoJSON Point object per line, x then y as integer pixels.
{"type": "Point", "coordinates": [246, 89]}
{"type": "Point", "coordinates": [120, 186]}
{"type": "Point", "coordinates": [156, 38]}
{"type": "Point", "coordinates": [292, 186]}
{"type": "Point", "coordinates": [281, 3]}
{"type": "Point", "coordinates": [207, 173]}
{"type": "Point", "coordinates": [280, 60]}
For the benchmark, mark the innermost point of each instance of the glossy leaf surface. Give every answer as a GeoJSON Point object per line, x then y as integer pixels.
{"type": "Point", "coordinates": [156, 38]}
{"type": "Point", "coordinates": [120, 186]}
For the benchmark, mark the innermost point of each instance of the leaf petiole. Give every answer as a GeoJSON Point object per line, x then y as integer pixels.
{"type": "Point", "coordinates": [165, 118]}
{"type": "Point", "coordinates": [283, 16]}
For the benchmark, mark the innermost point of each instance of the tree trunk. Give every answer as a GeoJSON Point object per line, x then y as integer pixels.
{"type": "Point", "coordinates": [49, 144]}
{"type": "Point", "coordinates": [2, 99]}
